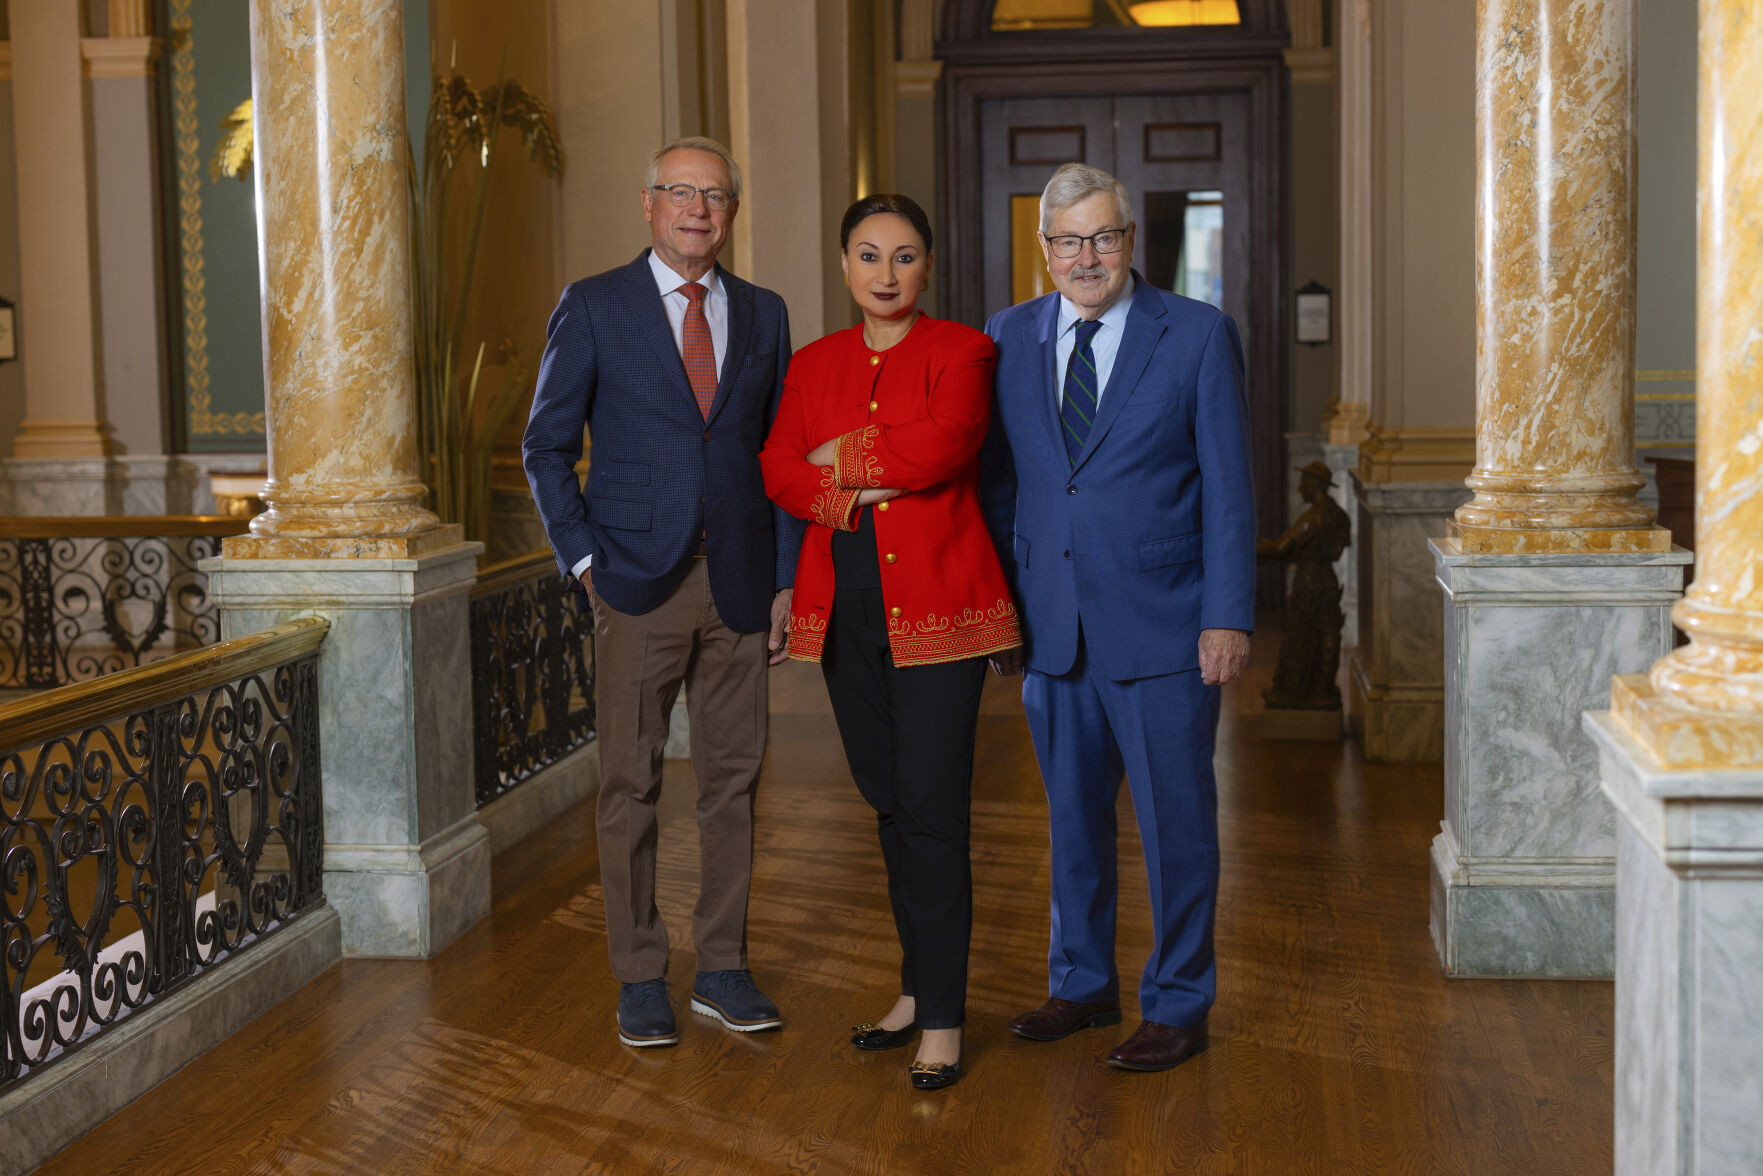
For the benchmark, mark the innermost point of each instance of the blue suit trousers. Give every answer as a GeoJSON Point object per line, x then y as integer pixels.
{"type": "Point", "coordinates": [1159, 732]}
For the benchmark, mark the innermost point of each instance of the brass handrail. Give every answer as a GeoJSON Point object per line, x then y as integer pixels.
{"type": "Point", "coordinates": [82, 704]}
{"type": "Point", "coordinates": [504, 574]}
{"type": "Point", "coordinates": [120, 526]}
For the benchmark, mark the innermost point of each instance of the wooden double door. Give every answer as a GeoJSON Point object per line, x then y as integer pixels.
{"type": "Point", "coordinates": [1184, 160]}
{"type": "Point", "coordinates": [1199, 145]}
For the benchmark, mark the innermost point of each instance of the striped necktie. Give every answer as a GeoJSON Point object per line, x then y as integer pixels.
{"type": "Point", "coordinates": [1077, 408]}
{"type": "Point", "coordinates": [696, 348]}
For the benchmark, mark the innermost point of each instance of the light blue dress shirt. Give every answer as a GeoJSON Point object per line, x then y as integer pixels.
{"type": "Point", "coordinates": [1105, 345]}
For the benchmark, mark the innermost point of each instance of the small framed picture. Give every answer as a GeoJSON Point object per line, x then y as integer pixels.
{"type": "Point", "coordinates": [8, 336]}
{"type": "Point", "coordinates": [1315, 314]}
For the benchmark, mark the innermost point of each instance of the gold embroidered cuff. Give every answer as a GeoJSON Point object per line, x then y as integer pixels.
{"type": "Point", "coordinates": [834, 508]}
{"type": "Point", "coordinates": [854, 462]}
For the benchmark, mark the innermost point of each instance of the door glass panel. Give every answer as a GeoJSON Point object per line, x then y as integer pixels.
{"type": "Point", "coordinates": [1184, 243]}
{"type": "Point", "coordinates": [1017, 15]}
{"type": "Point", "coordinates": [1028, 267]}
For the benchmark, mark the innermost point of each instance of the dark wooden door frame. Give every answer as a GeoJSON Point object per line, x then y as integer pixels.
{"type": "Point", "coordinates": [1139, 64]}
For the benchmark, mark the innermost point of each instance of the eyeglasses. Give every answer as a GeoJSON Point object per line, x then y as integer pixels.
{"type": "Point", "coordinates": [682, 195]}
{"type": "Point", "coordinates": [1106, 241]}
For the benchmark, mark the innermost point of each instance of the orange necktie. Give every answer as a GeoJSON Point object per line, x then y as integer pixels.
{"type": "Point", "coordinates": [696, 348]}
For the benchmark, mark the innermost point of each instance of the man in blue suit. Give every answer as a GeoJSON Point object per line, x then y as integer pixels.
{"type": "Point", "coordinates": [1118, 489]}
{"type": "Point", "coordinates": [674, 366]}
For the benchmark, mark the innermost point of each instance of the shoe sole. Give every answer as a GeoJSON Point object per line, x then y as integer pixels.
{"type": "Point", "coordinates": [647, 1042]}
{"type": "Point", "coordinates": [705, 1009]}
{"type": "Point", "coordinates": [1093, 1021]}
{"type": "Point", "coordinates": [1138, 1069]}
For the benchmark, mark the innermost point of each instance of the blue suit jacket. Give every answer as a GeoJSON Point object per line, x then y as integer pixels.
{"type": "Point", "coordinates": [1150, 537]}
{"type": "Point", "coordinates": [661, 475]}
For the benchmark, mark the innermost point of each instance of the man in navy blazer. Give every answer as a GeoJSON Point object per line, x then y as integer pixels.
{"type": "Point", "coordinates": [1119, 492]}
{"type": "Point", "coordinates": [674, 366]}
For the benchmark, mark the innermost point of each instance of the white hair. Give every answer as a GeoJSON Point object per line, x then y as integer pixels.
{"type": "Point", "coordinates": [696, 143]}
{"type": "Point", "coordinates": [1072, 183]}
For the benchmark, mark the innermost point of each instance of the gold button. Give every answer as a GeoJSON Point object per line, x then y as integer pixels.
{"type": "Point", "coordinates": [881, 506]}
{"type": "Point", "coordinates": [892, 557]}
{"type": "Point", "coordinates": [874, 359]}
{"type": "Point", "coordinates": [895, 611]}
{"type": "Point", "coordinates": [873, 405]}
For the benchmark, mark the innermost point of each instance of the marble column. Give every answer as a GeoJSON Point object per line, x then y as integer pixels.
{"type": "Point", "coordinates": [64, 440]}
{"type": "Point", "coordinates": [1682, 746]}
{"type": "Point", "coordinates": [333, 246]}
{"type": "Point", "coordinates": [1555, 577]}
{"type": "Point", "coordinates": [346, 535]}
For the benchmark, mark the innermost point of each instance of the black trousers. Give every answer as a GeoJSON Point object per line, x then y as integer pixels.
{"type": "Point", "coordinates": [908, 734]}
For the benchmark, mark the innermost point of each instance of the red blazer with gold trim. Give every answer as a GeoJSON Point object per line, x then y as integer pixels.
{"type": "Point", "coordinates": [910, 418]}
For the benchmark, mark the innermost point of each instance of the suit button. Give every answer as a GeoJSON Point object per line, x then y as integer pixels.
{"type": "Point", "coordinates": [874, 359]}
{"type": "Point", "coordinates": [881, 506]}
{"type": "Point", "coordinates": [1071, 489]}
{"type": "Point", "coordinates": [895, 611]}
{"type": "Point", "coordinates": [706, 434]}
{"type": "Point", "coordinates": [873, 405]}
{"type": "Point", "coordinates": [892, 557]}
{"type": "Point", "coordinates": [1068, 555]}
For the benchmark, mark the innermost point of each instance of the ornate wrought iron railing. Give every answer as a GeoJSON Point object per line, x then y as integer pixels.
{"type": "Point", "coordinates": [84, 597]}
{"type": "Point", "coordinates": [532, 673]}
{"type": "Point", "coordinates": [153, 824]}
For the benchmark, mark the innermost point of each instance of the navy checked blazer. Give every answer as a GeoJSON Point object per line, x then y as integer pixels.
{"type": "Point", "coordinates": [661, 475]}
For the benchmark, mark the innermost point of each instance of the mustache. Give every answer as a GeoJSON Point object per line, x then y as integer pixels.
{"type": "Point", "coordinates": [1088, 271]}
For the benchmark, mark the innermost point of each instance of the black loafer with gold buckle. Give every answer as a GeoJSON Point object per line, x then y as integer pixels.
{"type": "Point", "coordinates": [874, 1037]}
{"type": "Point", "coordinates": [934, 1075]}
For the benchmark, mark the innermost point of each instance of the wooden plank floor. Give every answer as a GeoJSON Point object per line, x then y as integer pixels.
{"type": "Point", "coordinates": [1337, 1045]}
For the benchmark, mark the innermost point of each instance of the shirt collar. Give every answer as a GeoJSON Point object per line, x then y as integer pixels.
{"type": "Point", "coordinates": [1114, 317]}
{"type": "Point", "coordinates": [670, 282]}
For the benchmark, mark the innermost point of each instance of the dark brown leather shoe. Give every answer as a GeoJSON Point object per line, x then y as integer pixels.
{"type": "Point", "coordinates": [1061, 1018]}
{"type": "Point", "coordinates": [1158, 1047]}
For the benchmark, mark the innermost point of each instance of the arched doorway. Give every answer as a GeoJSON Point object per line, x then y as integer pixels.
{"type": "Point", "coordinates": [1192, 120]}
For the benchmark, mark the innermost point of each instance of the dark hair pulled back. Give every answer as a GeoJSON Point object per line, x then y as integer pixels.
{"type": "Point", "coordinates": [901, 206]}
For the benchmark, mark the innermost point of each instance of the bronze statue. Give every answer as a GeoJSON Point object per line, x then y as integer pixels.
{"type": "Point", "coordinates": [1310, 648]}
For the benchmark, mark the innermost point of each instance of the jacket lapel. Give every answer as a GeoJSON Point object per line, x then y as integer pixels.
{"type": "Point", "coordinates": [1144, 327]}
{"type": "Point", "coordinates": [740, 336]}
{"type": "Point", "coordinates": [651, 319]}
{"type": "Point", "coordinates": [1046, 330]}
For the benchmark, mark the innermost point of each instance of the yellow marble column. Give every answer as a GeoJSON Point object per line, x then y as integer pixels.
{"type": "Point", "coordinates": [333, 240]}
{"type": "Point", "coordinates": [1555, 283]}
{"type": "Point", "coordinates": [1702, 705]}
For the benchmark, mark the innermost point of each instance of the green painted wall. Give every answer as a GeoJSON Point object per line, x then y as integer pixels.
{"type": "Point", "coordinates": [211, 225]}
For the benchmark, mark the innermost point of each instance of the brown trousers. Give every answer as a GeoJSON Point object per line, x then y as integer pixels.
{"type": "Point", "coordinates": [639, 665]}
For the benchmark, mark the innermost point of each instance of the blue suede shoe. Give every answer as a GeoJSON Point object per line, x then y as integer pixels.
{"type": "Point", "coordinates": [732, 998]}
{"type": "Point", "coordinates": [645, 1014]}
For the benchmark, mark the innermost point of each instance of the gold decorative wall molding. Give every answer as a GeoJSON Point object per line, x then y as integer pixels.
{"type": "Point", "coordinates": [917, 79]}
{"type": "Point", "coordinates": [1416, 455]}
{"type": "Point", "coordinates": [131, 18]}
{"type": "Point", "coordinates": [1312, 66]}
{"type": "Point", "coordinates": [1664, 375]}
{"type": "Point", "coordinates": [203, 420]}
{"type": "Point", "coordinates": [5, 61]}
{"type": "Point", "coordinates": [120, 57]}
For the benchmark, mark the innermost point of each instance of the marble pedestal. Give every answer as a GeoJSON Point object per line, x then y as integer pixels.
{"type": "Point", "coordinates": [148, 484]}
{"type": "Point", "coordinates": [1395, 687]}
{"type": "Point", "coordinates": [1342, 460]}
{"type": "Point", "coordinates": [406, 862]}
{"type": "Point", "coordinates": [1523, 870]}
{"type": "Point", "coordinates": [1689, 961]}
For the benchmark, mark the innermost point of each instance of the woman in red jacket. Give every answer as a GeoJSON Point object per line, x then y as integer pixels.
{"type": "Point", "coordinates": [899, 595]}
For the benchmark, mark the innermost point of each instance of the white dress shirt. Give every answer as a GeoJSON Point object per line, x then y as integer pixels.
{"type": "Point", "coordinates": [675, 304]}
{"type": "Point", "coordinates": [1105, 344]}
